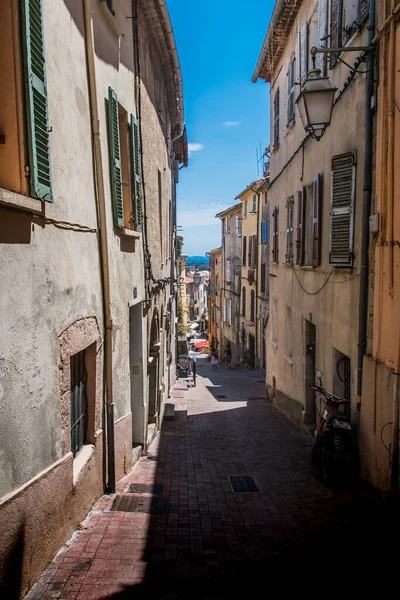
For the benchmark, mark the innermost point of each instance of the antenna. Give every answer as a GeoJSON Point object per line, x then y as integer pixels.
{"type": "Point", "coordinates": [257, 160]}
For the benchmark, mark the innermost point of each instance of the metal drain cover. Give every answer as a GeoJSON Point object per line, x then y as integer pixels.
{"type": "Point", "coordinates": [140, 504]}
{"type": "Point", "coordinates": [220, 396]}
{"type": "Point", "coordinates": [243, 484]}
{"type": "Point", "coordinates": [145, 488]}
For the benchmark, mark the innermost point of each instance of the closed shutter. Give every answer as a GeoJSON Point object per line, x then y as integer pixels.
{"type": "Point", "coordinates": [224, 309]}
{"type": "Point", "coordinates": [303, 53]}
{"type": "Point", "coordinates": [336, 29]}
{"type": "Point", "coordinates": [252, 306]}
{"type": "Point", "coordinates": [36, 100]}
{"type": "Point", "coordinates": [263, 277]}
{"type": "Point", "coordinates": [238, 226]}
{"type": "Point", "coordinates": [300, 227]}
{"type": "Point", "coordinates": [276, 118]}
{"type": "Point", "coordinates": [244, 301]}
{"type": "Point", "coordinates": [267, 231]}
{"type": "Point", "coordinates": [228, 271]}
{"type": "Point", "coordinates": [254, 259]}
{"type": "Point", "coordinates": [362, 11]}
{"type": "Point", "coordinates": [291, 91]}
{"type": "Point", "coordinates": [343, 184]}
{"type": "Point", "coordinates": [289, 230]}
{"type": "Point", "coordinates": [250, 252]}
{"type": "Point", "coordinates": [321, 62]}
{"type": "Point", "coordinates": [244, 250]}
{"type": "Point", "coordinates": [275, 244]}
{"type": "Point", "coordinates": [317, 222]}
{"type": "Point", "coordinates": [229, 311]}
{"type": "Point", "coordinates": [136, 170]}
{"type": "Point", "coordinates": [115, 159]}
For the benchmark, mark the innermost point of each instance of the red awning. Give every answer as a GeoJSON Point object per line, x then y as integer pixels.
{"type": "Point", "coordinates": [201, 344]}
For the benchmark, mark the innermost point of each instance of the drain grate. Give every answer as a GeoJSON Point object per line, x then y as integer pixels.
{"type": "Point", "coordinates": [145, 488]}
{"type": "Point", "coordinates": [243, 484]}
{"type": "Point", "coordinates": [140, 504]}
{"type": "Point", "coordinates": [221, 396]}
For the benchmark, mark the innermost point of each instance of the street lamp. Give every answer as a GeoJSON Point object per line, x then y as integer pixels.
{"type": "Point", "coordinates": [197, 278]}
{"type": "Point", "coordinates": [315, 103]}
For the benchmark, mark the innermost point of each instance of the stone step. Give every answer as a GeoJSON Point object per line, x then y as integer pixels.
{"type": "Point", "coordinates": [169, 411]}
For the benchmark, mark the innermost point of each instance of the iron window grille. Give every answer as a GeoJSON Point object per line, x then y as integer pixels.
{"type": "Point", "coordinates": [78, 401]}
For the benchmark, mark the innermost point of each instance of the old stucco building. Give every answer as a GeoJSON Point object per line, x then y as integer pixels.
{"type": "Point", "coordinates": [214, 299]}
{"type": "Point", "coordinates": [92, 133]}
{"type": "Point", "coordinates": [315, 198]}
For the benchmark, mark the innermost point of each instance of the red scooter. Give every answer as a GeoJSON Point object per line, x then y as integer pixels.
{"type": "Point", "coordinates": [334, 440]}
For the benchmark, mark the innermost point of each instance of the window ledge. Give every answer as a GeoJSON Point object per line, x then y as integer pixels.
{"type": "Point", "coordinates": [130, 232]}
{"type": "Point", "coordinates": [275, 343]}
{"type": "Point", "coordinates": [289, 359]}
{"type": "Point", "coordinates": [16, 200]}
{"type": "Point", "coordinates": [109, 17]}
{"type": "Point", "coordinates": [81, 460]}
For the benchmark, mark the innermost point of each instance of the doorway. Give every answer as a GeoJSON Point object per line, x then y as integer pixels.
{"type": "Point", "coordinates": [310, 343]}
{"type": "Point", "coordinates": [136, 372]}
{"type": "Point", "coordinates": [153, 378]}
{"type": "Point", "coordinates": [252, 351]}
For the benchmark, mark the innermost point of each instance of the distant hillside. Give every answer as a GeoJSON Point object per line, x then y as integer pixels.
{"type": "Point", "coordinates": [200, 261]}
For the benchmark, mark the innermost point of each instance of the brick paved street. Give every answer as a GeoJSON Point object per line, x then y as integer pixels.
{"type": "Point", "coordinates": [213, 542]}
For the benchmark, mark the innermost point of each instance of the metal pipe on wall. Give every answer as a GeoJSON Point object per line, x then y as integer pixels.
{"type": "Point", "coordinates": [104, 256]}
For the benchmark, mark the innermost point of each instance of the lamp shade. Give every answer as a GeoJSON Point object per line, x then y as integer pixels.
{"type": "Point", "coordinates": [315, 103]}
{"type": "Point", "coordinates": [197, 278]}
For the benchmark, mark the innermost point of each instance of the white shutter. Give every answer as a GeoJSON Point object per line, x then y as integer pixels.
{"type": "Point", "coordinates": [303, 53]}
{"type": "Point", "coordinates": [238, 226]}
{"type": "Point", "coordinates": [343, 187]}
{"type": "Point", "coordinates": [322, 33]}
{"type": "Point", "coordinates": [228, 270]}
{"type": "Point", "coordinates": [224, 308]}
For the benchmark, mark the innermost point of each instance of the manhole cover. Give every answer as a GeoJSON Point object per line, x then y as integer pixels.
{"type": "Point", "coordinates": [243, 484]}
{"type": "Point", "coordinates": [140, 504]}
{"type": "Point", "coordinates": [220, 396]}
{"type": "Point", "coordinates": [145, 488]}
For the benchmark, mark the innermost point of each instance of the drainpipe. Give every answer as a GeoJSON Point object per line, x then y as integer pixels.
{"type": "Point", "coordinates": [367, 187]}
{"type": "Point", "coordinates": [101, 216]}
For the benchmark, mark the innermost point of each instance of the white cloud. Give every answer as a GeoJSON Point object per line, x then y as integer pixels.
{"type": "Point", "coordinates": [231, 123]}
{"type": "Point", "coordinates": [195, 148]}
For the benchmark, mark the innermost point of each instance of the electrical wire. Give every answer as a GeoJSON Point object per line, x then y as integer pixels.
{"type": "Point", "coordinates": [388, 448]}
{"type": "Point", "coordinates": [317, 291]}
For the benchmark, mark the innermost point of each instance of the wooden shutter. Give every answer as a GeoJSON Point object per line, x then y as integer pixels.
{"type": "Point", "coordinates": [263, 277]}
{"type": "Point", "coordinates": [362, 11]}
{"type": "Point", "coordinates": [115, 159]}
{"type": "Point", "coordinates": [317, 221]}
{"type": "Point", "coordinates": [300, 226]}
{"type": "Point", "coordinates": [336, 29]}
{"type": "Point", "coordinates": [244, 250]}
{"type": "Point", "coordinates": [275, 244]}
{"type": "Point", "coordinates": [276, 118]}
{"type": "Point", "coordinates": [254, 249]}
{"type": "Point", "coordinates": [228, 270]}
{"type": "Point", "coordinates": [343, 184]}
{"type": "Point", "coordinates": [36, 99]}
{"type": "Point", "coordinates": [291, 91]}
{"type": "Point", "coordinates": [289, 230]}
{"type": "Point", "coordinates": [243, 301]}
{"type": "Point", "coordinates": [136, 172]}
{"type": "Point", "coordinates": [252, 306]}
{"type": "Point", "coordinates": [250, 252]}
{"type": "Point", "coordinates": [303, 53]}
{"type": "Point", "coordinates": [321, 61]}
{"type": "Point", "coordinates": [267, 231]}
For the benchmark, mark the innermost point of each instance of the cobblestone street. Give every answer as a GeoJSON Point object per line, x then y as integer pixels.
{"type": "Point", "coordinates": [208, 541]}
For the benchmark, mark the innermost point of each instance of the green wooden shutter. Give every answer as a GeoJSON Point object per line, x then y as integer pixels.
{"type": "Point", "coordinates": [115, 159]}
{"type": "Point", "coordinates": [343, 186]}
{"type": "Point", "coordinates": [135, 162]}
{"type": "Point", "coordinates": [36, 99]}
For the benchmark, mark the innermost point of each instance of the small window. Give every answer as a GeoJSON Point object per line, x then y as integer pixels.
{"type": "Point", "coordinates": [227, 224]}
{"type": "Point", "coordinates": [276, 118]}
{"type": "Point", "coordinates": [291, 92]}
{"type": "Point", "coordinates": [252, 306]}
{"type": "Point", "coordinates": [245, 208]}
{"type": "Point", "coordinates": [244, 251]}
{"type": "Point", "coordinates": [79, 421]}
{"type": "Point", "coordinates": [238, 226]}
{"type": "Point", "coordinates": [254, 205]}
{"type": "Point", "coordinates": [243, 301]}
{"type": "Point", "coordinates": [289, 230]}
{"type": "Point", "coordinates": [275, 235]}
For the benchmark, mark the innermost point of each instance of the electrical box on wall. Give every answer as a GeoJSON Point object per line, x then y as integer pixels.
{"type": "Point", "coordinates": [374, 223]}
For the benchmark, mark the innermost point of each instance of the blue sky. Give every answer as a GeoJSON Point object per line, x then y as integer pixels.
{"type": "Point", "coordinates": [226, 115]}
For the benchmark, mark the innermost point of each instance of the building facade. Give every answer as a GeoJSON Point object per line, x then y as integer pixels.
{"type": "Point", "coordinates": [315, 207]}
{"type": "Point", "coordinates": [263, 236]}
{"type": "Point", "coordinates": [231, 235]}
{"type": "Point", "coordinates": [88, 298]}
{"type": "Point", "coordinates": [214, 299]}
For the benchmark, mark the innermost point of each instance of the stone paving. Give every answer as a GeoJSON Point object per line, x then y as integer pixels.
{"type": "Point", "coordinates": [215, 543]}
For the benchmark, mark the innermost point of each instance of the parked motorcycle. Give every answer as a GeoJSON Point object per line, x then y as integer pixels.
{"type": "Point", "coordinates": [335, 439]}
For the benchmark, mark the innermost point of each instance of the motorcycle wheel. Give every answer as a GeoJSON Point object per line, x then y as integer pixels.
{"type": "Point", "coordinates": [333, 453]}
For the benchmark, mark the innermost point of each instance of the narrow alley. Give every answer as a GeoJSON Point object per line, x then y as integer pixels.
{"type": "Point", "coordinates": [193, 536]}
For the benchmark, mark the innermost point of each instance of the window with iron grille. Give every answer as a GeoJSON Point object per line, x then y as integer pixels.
{"type": "Point", "coordinates": [252, 305]}
{"type": "Point", "coordinates": [110, 6]}
{"type": "Point", "coordinates": [276, 118]}
{"type": "Point", "coordinates": [291, 91]}
{"type": "Point", "coordinates": [78, 402]}
{"type": "Point", "coordinates": [243, 301]}
{"type": "Point", "coordinates": [289, 230]}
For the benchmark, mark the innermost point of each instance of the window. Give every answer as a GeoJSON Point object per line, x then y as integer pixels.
{"type": "Point", "coordinates": [252, 306]}
{"type": "Point", "coordinates": [289, 230]}
{"type": "Point", "coordinates": [228, 271]}
{"type": "Point", "coordinates": [228, 311]}
{"type": "Point", "coordinates": [79, 424]}
{"type": "Point", "coordinates": [346, 18]}
{"type": "Point", "coordinates": [250, 252]}
{"type": "Point", "coordinates": [288, 334]}
{"type": "Point", "coordinates": [125, 169]}
{"type": "Point", "coordinates": [245, 208]}
{"type": "Point", "coordinates": [303, 53]}
{"type": "Point", "coordinates": [244, 250]}
{"type": "Point", "coordinates": [24, 157]}
{"type": "Point", "coordinates": [263, 277]}
{"type": "Point", "coordinates": [265, 225]}
{"type": "Point", "coordinates": [343, 186]}
{"type": "Point", "coordinates": [110, 5]}
{"type": "Point", "coordinates": [276, 118]}
{"type": "Point", "coordinates": [227, 224]}
{"type": "Point", "coordinates": [321, 58]}
{"type": "Point", "coordinates": [309, 224]}
{"type": "Point", "coordinates": [291, 91]}
{"type": "Point", "coordinates": [254, 205]}
{"type": "Point", "coordinates": [275, 235]}
{"type": "Point", "coordinates": [243, 301]}
{"type": "Point", "coordinates": [254, 251]}
{"type": "Point", "coordinates": [238, 226]}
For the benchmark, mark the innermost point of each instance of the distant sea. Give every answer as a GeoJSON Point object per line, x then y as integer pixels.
{"type": "Point", "coordinates": [201, 262]}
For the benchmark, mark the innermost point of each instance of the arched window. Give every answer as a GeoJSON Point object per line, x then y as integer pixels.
{"type": "Point", "coordinates": [252, 305]}
{"type": "Point", "coordinates": [243, 301]}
